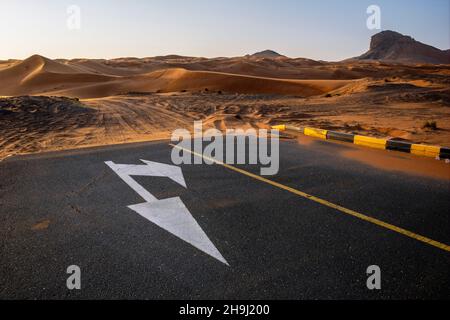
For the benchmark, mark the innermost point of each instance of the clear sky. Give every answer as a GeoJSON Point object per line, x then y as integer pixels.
{"type": "Point", "coordinates": [317, 29]}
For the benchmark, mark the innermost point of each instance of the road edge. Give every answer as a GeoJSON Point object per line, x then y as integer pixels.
{"type": "Point", "coordinates": [436, 152]}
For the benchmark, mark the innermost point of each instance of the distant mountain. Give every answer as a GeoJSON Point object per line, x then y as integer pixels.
{"type": "Point", "coordinates": [267, 54]}
{"type": "Point", "coordinates": [395, 47]}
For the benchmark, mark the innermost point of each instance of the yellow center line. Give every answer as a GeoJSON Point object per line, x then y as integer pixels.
{"type": "Point", "coordinates": [350, 212]}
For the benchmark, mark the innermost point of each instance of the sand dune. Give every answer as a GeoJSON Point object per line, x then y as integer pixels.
{"type": "Point", "coordinates": [85, 78]}
{"type": "Point", "coordinates": [180, 80]}
{"type": "Point", "coordinates": [39, 75]}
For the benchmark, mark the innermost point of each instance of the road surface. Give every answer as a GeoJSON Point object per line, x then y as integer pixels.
{"type": "Point", "coordinates": [71, 208]}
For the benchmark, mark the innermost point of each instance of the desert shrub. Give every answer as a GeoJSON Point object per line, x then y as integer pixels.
{"type": "Point", "coordinates": [328, 95]}
{"type": "Point", "coordinates": [430, 124]}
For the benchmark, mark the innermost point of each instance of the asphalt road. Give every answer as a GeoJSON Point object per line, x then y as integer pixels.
{"type": "Point", "coordinates": [70, 208]}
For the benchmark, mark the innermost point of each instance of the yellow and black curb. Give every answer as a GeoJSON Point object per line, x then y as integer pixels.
{"type": "Point", "coordinates": [371, 142]}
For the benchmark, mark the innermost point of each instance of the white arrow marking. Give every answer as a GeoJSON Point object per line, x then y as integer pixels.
{"type": "Point", "coordinates": [149, 169]}
{"type": "Point", "coordinates": [169, 214]}
{"type": "Point", "coordinates": [172, 215]}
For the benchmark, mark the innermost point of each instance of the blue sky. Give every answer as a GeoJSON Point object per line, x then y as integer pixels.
{"type": "Point", "coordinates": [320, 29]}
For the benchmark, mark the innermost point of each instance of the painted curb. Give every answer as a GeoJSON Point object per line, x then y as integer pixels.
{"type": "Point", "coordinates": [371, 142]}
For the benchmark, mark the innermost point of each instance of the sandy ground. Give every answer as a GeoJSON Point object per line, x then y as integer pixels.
{"type": "Point", "coordinates": [36, 124]}
{"type": "Point", "coordinates": [130, 100]}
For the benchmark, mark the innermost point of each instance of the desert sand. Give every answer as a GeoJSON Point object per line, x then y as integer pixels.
{"type": "Point", "coordinates": [39, 75]}
{"type": "Point", "coordinates": [62, 104]}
